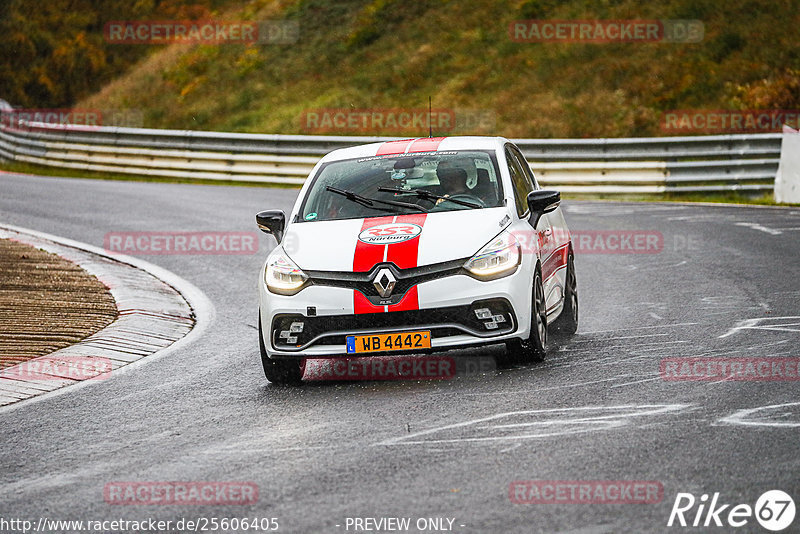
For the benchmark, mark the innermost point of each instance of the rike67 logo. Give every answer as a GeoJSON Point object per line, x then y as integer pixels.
{"type": "Point", "coordinates": [774, 510]}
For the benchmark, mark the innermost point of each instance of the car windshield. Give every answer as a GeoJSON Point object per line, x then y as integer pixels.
{"type": "Point", "coordinates": [403, 183]}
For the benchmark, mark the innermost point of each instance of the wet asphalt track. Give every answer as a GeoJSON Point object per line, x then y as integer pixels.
{"type": "Point", "coordinates": [597, 409]}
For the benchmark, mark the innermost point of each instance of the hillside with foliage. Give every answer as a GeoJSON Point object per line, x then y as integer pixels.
{"type": "Point", "coordinates": [389, 54]}
{"type": "Point", "coordinates": [54, 53]}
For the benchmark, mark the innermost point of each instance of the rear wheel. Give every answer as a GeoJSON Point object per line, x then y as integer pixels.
{"type": "Point", "coordinates": [567, 322]}
{"type": "Point", "coordinates": [281, 372]}
{"type": "Point", "coordinates": [534, 348]}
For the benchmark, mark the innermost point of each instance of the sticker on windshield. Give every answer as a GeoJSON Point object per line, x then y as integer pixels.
{"type": "Point", "coordinates": [311, 216]}
{"type": "Point", "coordinates": [387, 234]}
{"type": "Point", "coordinates": [406, 154]}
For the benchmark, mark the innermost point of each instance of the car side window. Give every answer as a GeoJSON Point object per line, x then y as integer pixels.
{"type": "Point", "coordinates": [526, 169]}
{"type": "Point", "coordinates": [522, 185]}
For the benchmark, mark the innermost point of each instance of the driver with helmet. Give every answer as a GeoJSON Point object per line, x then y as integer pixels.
{"type": "Point", "coordinates": [453, 180]}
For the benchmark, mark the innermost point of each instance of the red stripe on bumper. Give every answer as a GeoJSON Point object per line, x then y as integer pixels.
{"type": "Point", "coordinates": [362, 305]}
{"type": "Point", "coordinates": [410, 301]}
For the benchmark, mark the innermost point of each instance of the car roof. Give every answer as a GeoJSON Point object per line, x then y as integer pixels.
{"type": "Point", "coordinates": [414, 145]}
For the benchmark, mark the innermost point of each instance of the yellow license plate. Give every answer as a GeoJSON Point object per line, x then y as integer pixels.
{"type": "Point", "coordinates": [387, 342]}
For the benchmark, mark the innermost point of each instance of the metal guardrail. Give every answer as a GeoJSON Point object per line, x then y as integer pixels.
{"type": "Point", "coordinates": [614, 166]}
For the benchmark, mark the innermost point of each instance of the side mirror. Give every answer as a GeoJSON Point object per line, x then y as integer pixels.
{"type": "Point", "coordinates": [542, 201]}
{"type": "Point", "coordinates": [272, 222]}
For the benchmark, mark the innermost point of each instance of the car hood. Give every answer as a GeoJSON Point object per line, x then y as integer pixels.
{"type": "Point", "coordinates": [407, 240]}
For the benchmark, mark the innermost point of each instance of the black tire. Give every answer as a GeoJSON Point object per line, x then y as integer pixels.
{"type": "Point", "coordinates": [280, 372]}
{"type": "Point", "coordinates": [534, 348]}
{"type": "Point", "coordinates": [567, 322]}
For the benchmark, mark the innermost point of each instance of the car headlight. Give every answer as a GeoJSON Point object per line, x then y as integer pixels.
{"type": "Point", "coordinates": [283, 276]}
{"type": "Point", "coordinates": [497, 259]}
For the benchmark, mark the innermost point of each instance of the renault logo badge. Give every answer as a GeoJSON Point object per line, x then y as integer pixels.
{"type": "Point", "coordinates": [384, 282]}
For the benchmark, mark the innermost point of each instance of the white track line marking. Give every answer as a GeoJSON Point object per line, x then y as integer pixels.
{"type": "Point", "coordinates": [537, 390]}
{"type": "Point", "coordinates": [594, 529]}
{"type": "Point", "coordinates": [585, 423]}
{"type": "Point", "coordinates": [738, 418]}
{"type": "Point", "coordinates": [616, 338]}
{"type": "Point", "coordinates": [760, 228]}
{"type": "Point", "coordinates": [757, 324]}
{"type": "Point", "coordinates": [635, 328]}
{"type": "Point", "coordinates": [636, 382]}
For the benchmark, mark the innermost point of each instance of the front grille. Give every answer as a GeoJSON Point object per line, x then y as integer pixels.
{"type": "Point", "coordinates": [287, 334]}
{"type": "Point", "coordinates": [406, 279]}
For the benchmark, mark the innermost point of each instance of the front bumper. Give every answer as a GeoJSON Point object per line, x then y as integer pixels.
{"type": "Point", "coordinates": [446, 308]}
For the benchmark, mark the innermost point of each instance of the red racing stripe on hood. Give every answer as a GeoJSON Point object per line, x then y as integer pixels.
{"type": "Point", "coordinates": [364, 259]}
{"type": "Point", "coordinates": [405, 254]}
{"type": "Point", "coordinates": [366, 255]}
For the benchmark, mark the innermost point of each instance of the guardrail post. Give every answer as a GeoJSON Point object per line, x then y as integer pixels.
{"type": "Point", "coordinates": [787, 181]}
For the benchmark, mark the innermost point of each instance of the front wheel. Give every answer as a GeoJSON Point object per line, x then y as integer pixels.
{"type": "Point", "coordinates": [534, 348]}
{"type": "Point", "coordinates": [280, 372]}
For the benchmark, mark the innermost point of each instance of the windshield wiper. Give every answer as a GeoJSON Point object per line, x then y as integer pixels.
{"type": "Point", "coordinates": [422, 193]}
{"type": "Point", "coordinates": [368, 202]}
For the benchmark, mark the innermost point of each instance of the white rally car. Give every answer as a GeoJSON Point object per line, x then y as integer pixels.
{"type": "Point", "coordinates": [414, 246]}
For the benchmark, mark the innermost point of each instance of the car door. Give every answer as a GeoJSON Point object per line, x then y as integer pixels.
{"type": "Point", "coordinates": [553, 278]}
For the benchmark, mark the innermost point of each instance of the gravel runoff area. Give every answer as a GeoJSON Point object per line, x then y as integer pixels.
{"type": "Point", "coordinates": [46, 303]}
{"type": "Point", "coordinates": [154, 311]}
